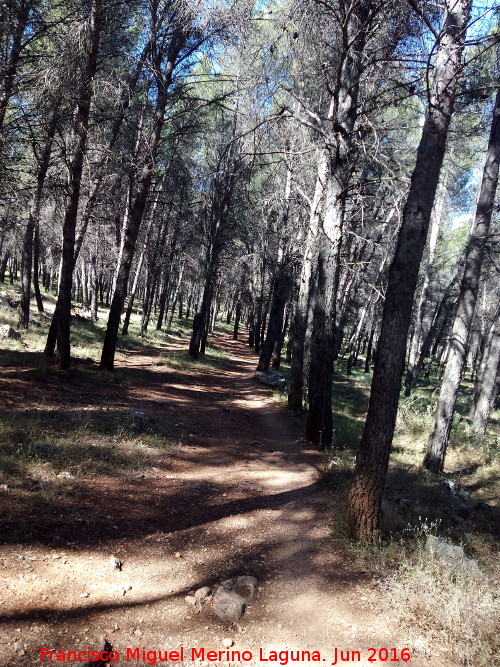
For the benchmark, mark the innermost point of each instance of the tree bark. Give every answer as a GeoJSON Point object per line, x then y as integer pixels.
{"type": "Point", "coordinates": [365, 495]}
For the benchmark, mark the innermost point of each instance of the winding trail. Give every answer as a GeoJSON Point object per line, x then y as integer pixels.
{"type": "Point", "coordinates": [240, 493]}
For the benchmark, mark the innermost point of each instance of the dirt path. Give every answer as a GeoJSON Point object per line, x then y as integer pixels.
{"type": "Point", "coordinates": [240, 495]}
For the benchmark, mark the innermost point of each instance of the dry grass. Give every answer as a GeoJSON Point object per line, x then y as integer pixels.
{"type": "Point", "coordinates": [455, 610]}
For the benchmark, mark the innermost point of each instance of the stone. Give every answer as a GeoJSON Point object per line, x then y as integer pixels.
{"type": "Point", "coordinates": [202, 593]}
{"type": "Point", "coordinates": [450, 555]}
{"type": "Point", "coordinates": [6, 331]}
{"type": "Point", "coordinates": [245, 586]}
{"type": "Point", "coordinates": [65, 475]}
{"type": "Point", "coordinates": [227, 643]}
{"type": "Point", "coordinates": [228, 605]}
{"type": "Point", "coordinates": [248, 486]}
{"type": "Point", "coordinates": [271, 379]}
{"type": "Point", "coordinates": [32, 320]}
{"type": "Point", "coordinates": [14, 303]}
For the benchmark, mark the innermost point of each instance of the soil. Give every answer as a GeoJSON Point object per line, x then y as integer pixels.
{"type": "Point", "coordinates": [241, 493]}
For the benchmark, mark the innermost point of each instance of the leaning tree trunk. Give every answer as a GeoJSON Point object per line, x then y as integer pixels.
{"type": "Point", "coordinates": [164, 80]}
{"type": "Point", "coordinates": [422, 302]}
{"type": "Point", "coordinates": [438, 439]}
{"type": "Point", "coordinates": [367, 487]}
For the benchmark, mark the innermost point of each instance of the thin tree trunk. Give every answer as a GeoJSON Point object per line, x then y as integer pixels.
{"type": "Point", "coordinates": [488, 381]}
{"type": "Point", "coordinates": [436, 219]}
{"type": "Point", "coordinates": [438, 439]}
{"type": "Point", "coordinates": [139, 205]}
{"type": "Point", "coordinates": [176, 295]}
{"type": "Point", "coordinates": [296, 390]}
{"type": "Point", "coordinates": [32, 229]}
{"type": "Point", "coordinates": [36, 269]}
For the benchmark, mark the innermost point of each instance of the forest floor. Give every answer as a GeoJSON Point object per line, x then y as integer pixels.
{"type": "Point", "coordinates": [190, 475]}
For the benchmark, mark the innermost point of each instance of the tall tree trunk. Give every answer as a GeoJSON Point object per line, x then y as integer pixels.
{"type": "Point", "coordinates": [32, 228]}
{"type": "Point", "coordinates": [137, 212]}
{"type": "Point", "coordinates": [296, 390]}
{"type": "Point", "coordinates": [341, 121]}
{"type": "Point", "coordinates": [438, 439]}
{"type": "Point", "coordinates": [36, 268]}
{"type": "Point", "coordinates": [367, 487]}
{"type": "Point", "coordinates": [436, 219]}
{"type": "Point", "coordinates": [319, 426]}
{"type": "Point", "coordinates": [175, 295]}
{"type": "Point", "coordinates": [62, 313]}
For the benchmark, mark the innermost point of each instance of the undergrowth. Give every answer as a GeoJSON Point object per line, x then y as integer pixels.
{"type": "Point", "coordinates": [435, 608]}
